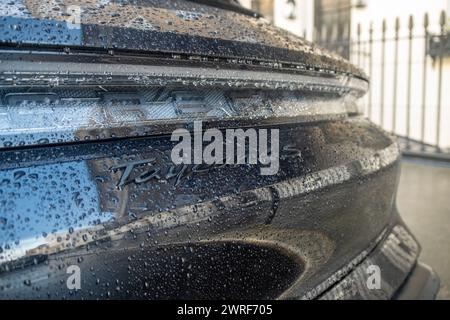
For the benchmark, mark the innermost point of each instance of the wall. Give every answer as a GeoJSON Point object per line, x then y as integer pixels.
{"type": "Point", "coordinates": [304, 17]}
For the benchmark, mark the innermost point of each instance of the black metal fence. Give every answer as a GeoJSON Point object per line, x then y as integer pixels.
{"type": "Point", "coordinates": [408, 62]}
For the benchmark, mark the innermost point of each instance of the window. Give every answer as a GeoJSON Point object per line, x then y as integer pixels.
{"type": "Point", "coordinates": [332, 25]}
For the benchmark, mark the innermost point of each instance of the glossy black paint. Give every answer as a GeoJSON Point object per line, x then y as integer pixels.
{"type": "Point", "coordinates": [161, 27]}
{"type": "Point", "coordinates": [317, 220]}
{"type": "Point", "coordinates": [140, 227]}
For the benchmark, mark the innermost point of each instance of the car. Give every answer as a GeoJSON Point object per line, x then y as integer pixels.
{"type": "Point", "coordinates": [103, 105]}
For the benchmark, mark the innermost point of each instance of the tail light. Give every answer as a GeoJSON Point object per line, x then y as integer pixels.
{"type": "Point", "coordinates": [54, 102]}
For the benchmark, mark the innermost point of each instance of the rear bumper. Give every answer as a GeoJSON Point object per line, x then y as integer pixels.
{"type": "Point", "coordinates": [390, 271]}
{"type": "Point", "coordinates": [318, 229]}
{"type": "Point", "coordinates": [422, 284]}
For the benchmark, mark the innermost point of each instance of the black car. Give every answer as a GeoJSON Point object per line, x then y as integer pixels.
{"type": "Point", "coordinates": [92, 205]}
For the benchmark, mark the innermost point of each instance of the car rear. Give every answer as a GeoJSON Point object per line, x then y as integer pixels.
{"type": "Point", "coordinates": [91, 95]}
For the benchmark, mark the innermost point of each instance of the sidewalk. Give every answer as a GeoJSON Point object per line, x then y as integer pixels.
{"type": "Point", "coordinates": [424, 203]}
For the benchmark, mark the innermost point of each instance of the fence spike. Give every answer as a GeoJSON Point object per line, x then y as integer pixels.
{"type": "Point", "coordinates": [426, 21]}
{"type": "Point", "coordinates": [397, 24]}
{"type": "Point", "coordinates": [383, 62]}
{"type": "Point", "coordinates": [411, 22]}
{"type": "Point", "coordinates": [443, 19]}
{"type": "Point", "coordinates": [409, 80]}
{"type": "Point", "coordinates": [395, 80]}
{"type": "Point", "coordinates": [369, 105]}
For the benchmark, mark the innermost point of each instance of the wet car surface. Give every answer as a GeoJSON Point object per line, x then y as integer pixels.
{"type": "Point", "coordinates": [87, 180]}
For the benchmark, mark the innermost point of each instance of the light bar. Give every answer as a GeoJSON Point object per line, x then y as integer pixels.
{"type": "Point", "coordinates": [35, 116]}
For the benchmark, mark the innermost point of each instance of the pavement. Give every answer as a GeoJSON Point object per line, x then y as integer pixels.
{"type": "Point", "coordinates": [424, 203]}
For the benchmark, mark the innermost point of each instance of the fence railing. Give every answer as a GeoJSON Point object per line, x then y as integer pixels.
{"type": "Point", "coordinates": [408, 61]}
